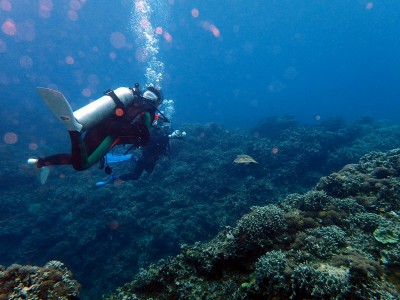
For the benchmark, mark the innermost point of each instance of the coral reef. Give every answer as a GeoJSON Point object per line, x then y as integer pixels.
{"type": "Point", "coordinates": [338, 241]}
{"type": "Point", "coordinates": [106, 235]}
{"type": "Point", "coordinates": [53, 281]}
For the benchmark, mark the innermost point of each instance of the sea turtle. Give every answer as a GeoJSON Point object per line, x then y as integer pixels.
{"type": "Point", "coordinates": [244, 159]}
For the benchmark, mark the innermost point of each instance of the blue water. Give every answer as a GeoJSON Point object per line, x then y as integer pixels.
{"type": "Point", "coordinates": [306, 58]}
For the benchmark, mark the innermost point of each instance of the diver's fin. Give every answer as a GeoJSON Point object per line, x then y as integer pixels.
{"type": "Point", "coordinates": [60, 107]}
{"type": "Point", "coordinates": [116, 157]}
{"type": "Point", "coordinates": [44, 174]}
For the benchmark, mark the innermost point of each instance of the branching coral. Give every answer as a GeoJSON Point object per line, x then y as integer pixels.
{"type": "Point", "coordinates": [270, 271]}
{"type": "Point", "coordinates": [53, 281]}
{"type": "Point", "coordinates": [324, 241]}
{"type": "Point", "coordinates": [321, 282]}
{"type": "Point", "coordinates": [261, 224]}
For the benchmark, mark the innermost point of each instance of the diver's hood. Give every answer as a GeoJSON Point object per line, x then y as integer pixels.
{"type": "Point", "coordinates": [153, 95]}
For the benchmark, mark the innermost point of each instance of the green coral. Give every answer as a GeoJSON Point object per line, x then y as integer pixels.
{"type": "Point", "coordinates": [387, 235]}
{"type": "Point", "coordinates": [262, 223]}
{"type": "Point", "coordinates": [324, 281]}
{"type": "Point", "coordinates": [324, 241]}
{"type": "Point", "coordinates": [365, 221]}
{"type": "Point", "coordinates": [270, 270]}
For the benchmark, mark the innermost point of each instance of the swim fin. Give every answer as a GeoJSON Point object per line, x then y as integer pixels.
{"type": "Point", "coordinates": [44, 174]}
{"type": "Point", "coordinates": [60, 107]}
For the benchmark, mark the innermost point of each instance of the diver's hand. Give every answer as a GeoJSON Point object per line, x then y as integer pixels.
{"type": "Point", "coordinates": [177, 134]}
{"type": "Point", "coordinates": [110, 180]}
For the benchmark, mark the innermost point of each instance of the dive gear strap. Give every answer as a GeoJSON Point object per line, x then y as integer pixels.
{"type": "Point", "coordinates": [117, 101]}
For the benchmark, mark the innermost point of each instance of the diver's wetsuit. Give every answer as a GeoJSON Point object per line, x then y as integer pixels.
{"type": "Point", "coordinates": [158, 145]}
{"type": "Point", "coordinates": [90, 148]}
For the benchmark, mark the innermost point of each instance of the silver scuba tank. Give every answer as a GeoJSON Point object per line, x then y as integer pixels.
{"type": "Point", "coordinates": [102, 108]}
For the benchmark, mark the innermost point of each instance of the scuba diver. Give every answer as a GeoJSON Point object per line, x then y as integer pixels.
{"type": "Point", "coordinates": [157, 146]}
{"type": "Point", "coordinates": [123, 116]}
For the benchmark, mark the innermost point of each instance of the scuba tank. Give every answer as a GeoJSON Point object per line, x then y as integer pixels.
{"type": "Point", "coordinates": [105, 107]}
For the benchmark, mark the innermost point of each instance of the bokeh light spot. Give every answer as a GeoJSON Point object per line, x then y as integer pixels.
{"type": "Point", "coordinates": [72, 15]}
{"type": "Point", "coordinates": [87, 92]}
{"type": "Point", "coordinates": [114, 225]}
{"type": "Point", "coordinates": [159, 30]}
{"type": "Point", "coordinates": [33, 146]}
{"type": "Point", "coordinates": [10, 138]}
{"type": "Point", "coordinates": [118, 40]}
{"type": "Point", "coordinates": [26, 61]}
{"type": "Point", "coordinates": [75, 4]}
{"type": "Point", "coordinates": [195, 12]}
{"type": "Point", "coordinates": [168, 37]}
{"type": "Point", "coordinates": [69, 60]}
{"type": "Point", "coordinates": [45, 8]}
{"type": "Point", "coordinates": [5, 5]}
{"type": "Point", "coordinates": [119, 112]}
{"type": "Point", "coordinates": [93, 79]}
{"type": "Point", "coordinates": [9, 27]}
{"type": "Point", "coordinates": [113, 55]}
{"type": "Point", "coordinates": [214, 30]}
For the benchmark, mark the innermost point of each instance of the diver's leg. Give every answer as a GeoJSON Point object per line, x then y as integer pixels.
{"type": "Point", "coordinates": [150, 166]}
{"type": "Point", "coordinates": [137, 172]}
{"type": "Point", "coordinates": [63, 158]}
{"type": "Point", "coordinates": [58, 159]}
{"type": "Point", "coordinates": [80, 158]}
{"type": "Point", "coordinates": [78, 151]}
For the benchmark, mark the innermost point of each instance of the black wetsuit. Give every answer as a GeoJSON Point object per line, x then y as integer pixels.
{"type": "Point", "coordinates": [157, 146]}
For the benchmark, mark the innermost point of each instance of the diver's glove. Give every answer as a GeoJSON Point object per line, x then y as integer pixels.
{"type": "Point", "coordinates": [177, 134]}
{"type": "Point", "coordinates": [110, 180]}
